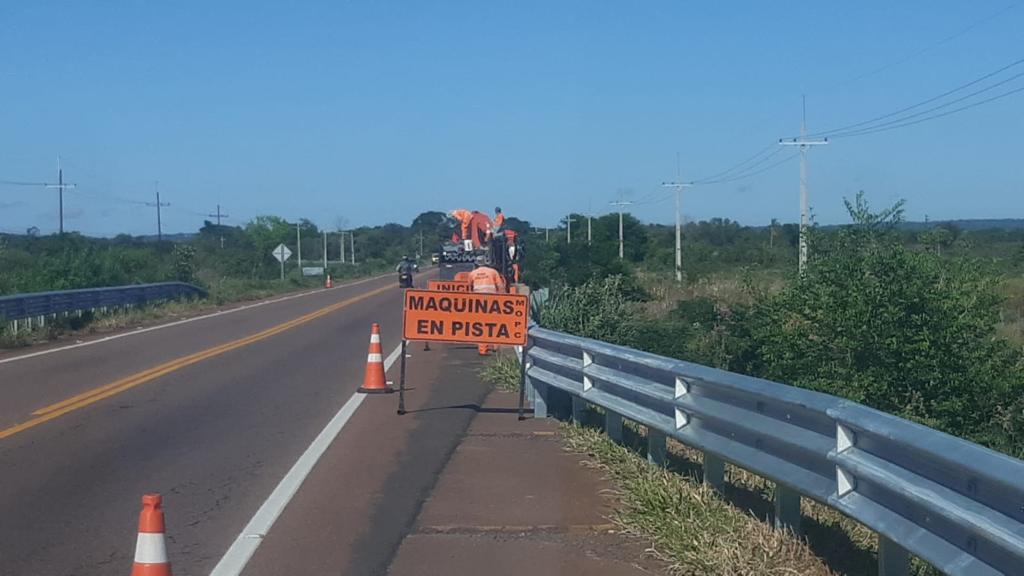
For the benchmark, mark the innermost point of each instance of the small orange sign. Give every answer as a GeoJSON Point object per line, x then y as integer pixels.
{"type": "Point", "coordinates": [475, 317]}
{"type": "Point", "coordinates": [449, 285]}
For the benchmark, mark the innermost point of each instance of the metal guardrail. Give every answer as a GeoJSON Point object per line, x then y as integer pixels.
{"type": "Point", "coordinates": [42, 304]}
{"type": "Point", "coordinates": [955, 504]}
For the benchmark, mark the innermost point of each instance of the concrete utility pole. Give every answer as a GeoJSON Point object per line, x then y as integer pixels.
{"type": "Point", "coordinates": [568, 228]}
{"type": "Point", "coordinates": [341, 244]}
{"type": "Point", "coordinates": [804, 144]}
{"type": "Point", "coordinates": [325, 252]}
{"type": "Point", "coordinates": [60, 186]}
{"type": "Point", "coordinates": [298, 246]}
{"type": "Point", "coordinates": [620, 204]}
{"type": "Point", "coordinates": [352, 244]}
{"type": "Point", "coordinates": [158, 205]}
{"type": "Point", "coordinates": [218, 216]}
{"type": "Point", "coordinates": [679, 225]}
{"type": "Point", "coordinates": [590, 213]}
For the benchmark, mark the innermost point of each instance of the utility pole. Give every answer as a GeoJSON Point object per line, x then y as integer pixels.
{"type": "Point", "coordinates": [590, 212]}
{"type": "Point", "coordinates": [352, 240]}
{"type": "Point", "coordinates": [547, 234]}
{"type": "Point", "coordinates": [325, 252]}
{"type": "Point", "coordinates": [158, 205]}
{"type": "Point", "coordinates": [804, 144]}
{"type": "Point", "coordinates": [620, 204]}
{"type": "Point", "coordinates": [568, 228]}
{"type": "Point", "coordinates": [341, 244]}
{"type": "Point", "coordinates": [298, 246]}
{"type": "Point", "coordinates": [421, 244]}
{"type": "Point", "coordinates": [218, 216]}
{"type": "Point", "coordinates": [60, 186]}
{"type": "Point", "coordinates": [679, 226]}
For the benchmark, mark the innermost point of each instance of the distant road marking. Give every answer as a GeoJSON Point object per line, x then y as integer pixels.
{"type": "Point", "coordinates": [187, 320]}
{"type": "Point", "coordinates": [242, 549]}
{"type": "Point", "coordinates": [89, 397]}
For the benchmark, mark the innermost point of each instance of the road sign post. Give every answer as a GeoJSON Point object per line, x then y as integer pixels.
{"type": "Point", "coordinates": [282, 253]}
{"type": "Point", "coordinates": [401, 382]}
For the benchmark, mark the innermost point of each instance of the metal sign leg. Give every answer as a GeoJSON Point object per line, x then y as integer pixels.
{"type": "Point", "coordinates": [401, 382]}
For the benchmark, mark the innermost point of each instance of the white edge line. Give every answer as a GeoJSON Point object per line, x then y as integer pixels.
{"type": "Point", "coordinates": [187, 320]}
{"type": "Point", "coordinates": [242, 549]}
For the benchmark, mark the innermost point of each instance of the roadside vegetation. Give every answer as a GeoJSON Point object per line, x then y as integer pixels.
{"type": "Point", "coordinates": [233, 263]}
{"type": "Point", "coordinates": [908, 328]}
{"type": "Point", "coordinates": [922, 323]}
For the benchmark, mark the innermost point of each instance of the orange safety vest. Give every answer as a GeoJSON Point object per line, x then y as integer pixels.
{"type": "Point", "coordinates": [486, 279]}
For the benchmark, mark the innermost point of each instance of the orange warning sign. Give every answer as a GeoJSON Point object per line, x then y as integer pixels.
{"type": "Point", "coordinates": [449, 285]}
{"type": "Point", "coordinates": [479, 318]}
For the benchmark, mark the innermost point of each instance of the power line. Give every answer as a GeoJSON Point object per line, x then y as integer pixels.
{"type": "Point", "coordinates": [756, 172]}
{"type": "Point", "coordinates": [738, 165]}
{"type": "Point", "coordinates": [928, 48]}
{"type": "Point", "coordinates": [946, 113]}
{"type": "Point", "coordinates": [921, 103]}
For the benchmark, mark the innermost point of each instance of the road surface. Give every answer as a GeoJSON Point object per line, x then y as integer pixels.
{"type": "Point", "coordinates": [212, 413]}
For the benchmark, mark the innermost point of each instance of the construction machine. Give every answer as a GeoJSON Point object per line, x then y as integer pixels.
{"type": "Point", "coordinates": [476, 236]}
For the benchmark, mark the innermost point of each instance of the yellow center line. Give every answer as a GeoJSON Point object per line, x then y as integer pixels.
{"type": "Point", "coordinates": [89, 397]}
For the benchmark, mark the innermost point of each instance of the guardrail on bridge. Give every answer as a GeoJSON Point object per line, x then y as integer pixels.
{"type": "Point", "coordinates": [48, 304]}
{"type": "Point", "coordinates": [955, 504]}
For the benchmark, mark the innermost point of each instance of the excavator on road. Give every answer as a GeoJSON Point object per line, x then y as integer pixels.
{"type": "Point", "coordinates": [478, 235]}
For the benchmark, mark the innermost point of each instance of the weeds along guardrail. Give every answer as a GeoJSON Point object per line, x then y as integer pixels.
{"type": "Point", "coordinates": [24, 308]}
{"type": "Point", "coordinates": [955, 504]}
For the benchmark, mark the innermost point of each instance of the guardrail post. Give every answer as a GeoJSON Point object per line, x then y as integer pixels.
{"type": "Point", "coordinates": [613, 425]}
{"type": "Point", "coordinates": [579, 409]}
{"type": "Point", "coordinates": [787, 509]}
{"type": "Point", "coordinates": [714, 471]}
{"type": "Point", "coordinates": [656, 447]}
{"type": "Point", "coordinates": [893, 559]}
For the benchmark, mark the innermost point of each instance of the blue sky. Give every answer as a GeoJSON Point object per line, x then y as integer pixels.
{"type": "Point", "coordinates": [376, 111]}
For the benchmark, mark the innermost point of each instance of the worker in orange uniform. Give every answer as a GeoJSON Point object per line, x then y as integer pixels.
{"type": "Point", "coordinates": [485, 279]}
{"type": "Point", "coordinates": [513, 253]}
{"type": "Point", "coordinates": [499, 219]}
{"type": "Point", "coordinates": [464, 217]}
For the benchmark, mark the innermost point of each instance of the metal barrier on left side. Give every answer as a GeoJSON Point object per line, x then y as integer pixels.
{"type": "Point", "coordinates": [41, 305]}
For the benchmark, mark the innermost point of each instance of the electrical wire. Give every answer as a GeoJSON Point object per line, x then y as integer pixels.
{"type": "Point", "coordinates": [19, 183]}
{"type": "Point", "coordinates": [950, 92]}
{"type": "Point", "coordinates": [738, 165]}
{"type": "Point", "coordinates": [928, 48]}
{"type": "Point", "coordinates": [946, 113]}
{"type": "Point", "coordinates": [929, 110]}
{"type": "Point", "coordinates": [756, 172]}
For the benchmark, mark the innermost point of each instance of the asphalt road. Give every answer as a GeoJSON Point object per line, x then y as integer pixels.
{"type": "Point", "coordinates": [211, 413]}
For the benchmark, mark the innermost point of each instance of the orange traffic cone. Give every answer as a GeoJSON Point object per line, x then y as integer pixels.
{"type": "Point", "coordinates": [328, 283]}
{"type": "Point", "coordinates": [150, 549]}
{"type": "Point", "coordinates": [374, 382]}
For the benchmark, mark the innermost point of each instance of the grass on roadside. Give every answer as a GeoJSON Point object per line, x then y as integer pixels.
{"type": "Point", "coordinates": [696, 530]}
{"type": "Point", "coordinates": [502, 371]}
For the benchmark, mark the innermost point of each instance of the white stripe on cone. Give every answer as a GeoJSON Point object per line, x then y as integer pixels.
{"type": "Point", "coordinates": [150, 549]}
{"type": "Point", "coordinates": [374, 338]}
{"type": "Point", "coordinates": [375, 358]}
